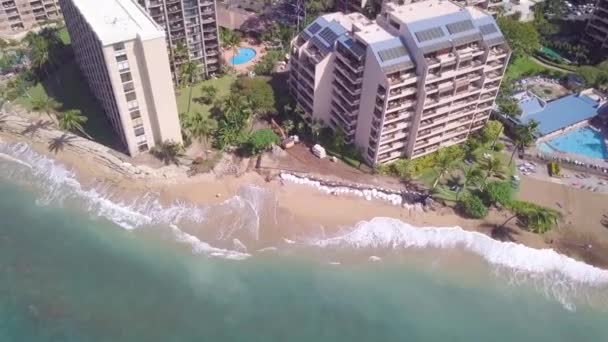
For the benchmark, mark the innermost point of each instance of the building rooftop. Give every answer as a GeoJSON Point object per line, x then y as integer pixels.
{"type": "Point", "coordinates": [557, 114]}
{"type": "Point", "coordinates": [118, 20]}
{"type": "Point", "coordinates": [422, 10]}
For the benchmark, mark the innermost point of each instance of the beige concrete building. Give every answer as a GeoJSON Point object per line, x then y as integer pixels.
{"type": "Point", "coordinates": [372, 7]}
{"type": "Point", "coordinates": [421, 77]}
{"type": "Point", "coordinates": [21, 15]}
{"type": "Point", "coordinates": [597, 27]}
{"type": "Point", "coordinates": [192, 23]}
{"type": "Point", "coordinates": [122, 54]}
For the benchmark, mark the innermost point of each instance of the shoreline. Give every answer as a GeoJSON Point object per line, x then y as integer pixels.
{"type": "Point", "coordinates": [317, 212]}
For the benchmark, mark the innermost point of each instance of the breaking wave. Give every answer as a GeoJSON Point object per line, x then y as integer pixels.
{"type": "Point", "coordinates": [58, 185]}
{"type": "Point", "coordinates": [556, 275]}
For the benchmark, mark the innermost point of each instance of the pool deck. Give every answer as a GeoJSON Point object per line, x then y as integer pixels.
{"type": "Point", "coordinates": [260, 51]}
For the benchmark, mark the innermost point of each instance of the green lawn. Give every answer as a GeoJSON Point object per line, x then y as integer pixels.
{"type": "Point", "coordinates": [67, 86]}
{"type": "Point", "coordinates": [223, 88]}
{"type": "Point", "coordinates": [523, 66]}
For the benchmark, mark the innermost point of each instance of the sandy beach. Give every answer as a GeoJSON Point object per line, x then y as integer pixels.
{"type": "Point", "coordinates": [580, 235]}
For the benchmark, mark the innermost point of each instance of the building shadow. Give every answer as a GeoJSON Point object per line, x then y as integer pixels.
{"type": "Point", "coordinates": [68, 87]}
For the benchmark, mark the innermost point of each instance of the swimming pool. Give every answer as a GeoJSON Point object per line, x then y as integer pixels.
{"type": "Point", "coordinates": [582, 141]}
{"type": "Point", "coordinates": [243, 56]}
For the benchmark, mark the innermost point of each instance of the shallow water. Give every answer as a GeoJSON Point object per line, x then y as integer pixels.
{"type": "Point", "coordinates": [76, 266]}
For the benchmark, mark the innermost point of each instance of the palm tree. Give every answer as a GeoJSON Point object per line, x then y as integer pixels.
{"type": "Point", "coordinates": [237, 111]}
{"type": "Point", "coordinates": [189, 75]}
{"type": "Point", "coordinates": [470, 176]}
{"type": "Point", "coordinates": [72, 120]}
{"type": "Point", "coordinates": [536, 218]}
{"type": "Point", "coordinates": [199, 126]}
{"type": "Point", "coordinates": [40, 53]}
{"type": "Point", "coordinates": [339, 140]}
{"type": "Point", "coordinates": [180, 51]}
{"type": "Point", "coordinates": [231, 40]}
{"type": "Point", "coordinates": [493, 167]}
{"type": "Point", "coordinates": [316, 129]}
{"type": "Point", "coordinates": [524, 137]}
{"type": "Point", "coordinates": [443, 165]}
{"type": "Point", "coordinates": [47, 105]}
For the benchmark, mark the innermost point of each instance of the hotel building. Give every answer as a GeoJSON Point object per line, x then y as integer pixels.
{"type": "Point", "coordinates": [123, 56]}
{"type": "Point", "coordinates": [192, 23]}
{"type": "Point", "coordinates": [421, 77]}
{"type": "Point", "coordinates": [21, 15]}
{"type": "Point", "coordinates": [597, 27]}
{"type": "Point", "coordinates": [364, 6]}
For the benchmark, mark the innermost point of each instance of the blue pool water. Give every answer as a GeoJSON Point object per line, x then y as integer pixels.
{"type": "Point", "coordinates": [243, 56]}
{"type": "Point", "coordinates": [582, 141]}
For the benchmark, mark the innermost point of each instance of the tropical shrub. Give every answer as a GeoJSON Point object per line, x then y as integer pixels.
{"type": "Point", "coordinates": [498, 193]}
{"type": "Point", "coordinates": [261, 140]}
{"type": "Point", "coordinates": [258, 92]}
{"type": "Point", "coordinates": [499, 147]}
{"type": "Point", "coordinates": [554, 169]}
{"type": "Point", "coordinates": [418, 165]}
{"type": "Point", "coordinates": [472, 206]}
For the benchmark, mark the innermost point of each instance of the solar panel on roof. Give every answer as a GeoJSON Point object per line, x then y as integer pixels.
{"type": "Point", "coordinates": [488, 29]}
{"type": "Point", "coordinates": [460, 26]}
{"type": "Point", "coordinates": [323, 48]}
{"type": "Point", "coordinates": [392, 53]}
{"type": "Point", "coordinates": [430, 34]}
{"type": "Point", "coordinates": [328, 35]}
{"type": "Point", "coordinates": [314, 28]}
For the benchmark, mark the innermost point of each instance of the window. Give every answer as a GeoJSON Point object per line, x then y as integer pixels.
{"type": "Point", "coordinates": [126, 77]}
{"type": "Point", "coordinates": [143, 147]}
{"type": "Point", "coordinates": [135, 114]}
{"type": "Point", "coordinates": [128, 87]}
{"type": "Point", "coordinates": [131, 96]}
{"type": "Point", "coordinates": [123, 66]}
{"type": "Point", "coordinates": [121, 58]}
{"type": "Point", "coordinates": [119, 46]}
{"type": "Point", "coordinates": [139, 130]}
{"type": "Point", "coordinates": [133, 105]}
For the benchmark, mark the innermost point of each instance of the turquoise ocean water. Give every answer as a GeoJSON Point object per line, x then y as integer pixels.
{"type": "Point", "coordinates": [75, 266]}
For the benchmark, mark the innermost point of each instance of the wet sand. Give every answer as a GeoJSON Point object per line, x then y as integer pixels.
{"type": "Point", "coordinates": [308, 212]}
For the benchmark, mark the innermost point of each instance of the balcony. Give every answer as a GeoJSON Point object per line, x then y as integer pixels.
{"type": "Point", "coordinates": [497, 52]}
{"type": "Point", "coordinates": [399, 78]}
{"type": "Point", "coordinates": [398, 104]}
{"type": "Point", "coordinates": [352, 88]}
{"type": "Point", "coordinates": [354, 77]}
{"type": "Point", "coordinates": [208, 19]}
{"type": "Point", "coordinates": [392, 147]}
{"type": "Point", "coordinates": [402, 91]}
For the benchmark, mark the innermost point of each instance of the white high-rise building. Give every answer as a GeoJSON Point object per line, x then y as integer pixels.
{"type": "Point", "coordinates": [122, 53]}
{"type": "Point", "coordinates": [421, 77]}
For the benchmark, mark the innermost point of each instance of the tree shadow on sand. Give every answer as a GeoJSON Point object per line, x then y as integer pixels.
{"type": "Point", "coordinates": [35, 127]}
{"type": "Point", "coordinates": [502, 232]}
{"type": "Point", "coordinates": [3, 120]}
{"type": "Point", "coordinates": [58, 144]}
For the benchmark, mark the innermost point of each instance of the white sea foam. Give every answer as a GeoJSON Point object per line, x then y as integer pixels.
{"type": "Point", "coordinates": [201, 247]}
{"type": "Point", "coordinates": [392, 233]}
{"type": "Point", "coordinates": [59, 184]}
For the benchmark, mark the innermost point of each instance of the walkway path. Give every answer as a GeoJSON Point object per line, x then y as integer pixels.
{"type": "Point", "coordinates": [549, 66]}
